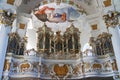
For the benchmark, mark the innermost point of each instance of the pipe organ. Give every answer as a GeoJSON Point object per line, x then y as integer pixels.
{"type": "Point", "coordinates": [51, 43]}
{"type": "Point", "coordinates": [59, 56]}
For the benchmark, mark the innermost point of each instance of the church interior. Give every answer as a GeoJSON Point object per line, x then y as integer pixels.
{"type": "Point", "coordinates": [59, 40]}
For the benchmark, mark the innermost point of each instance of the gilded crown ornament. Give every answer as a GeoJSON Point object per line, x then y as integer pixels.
{"type": "Point", "coordinates": [6, 17]}
{"type": "Point", "coordinates": [111, 18]}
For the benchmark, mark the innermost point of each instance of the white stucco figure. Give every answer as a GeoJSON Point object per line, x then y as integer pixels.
{"type": "Point", "coordinates": [87, 50]}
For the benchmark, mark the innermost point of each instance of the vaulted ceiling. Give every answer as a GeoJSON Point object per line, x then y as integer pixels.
{"type": "Point", "coordinates": [88, 6]}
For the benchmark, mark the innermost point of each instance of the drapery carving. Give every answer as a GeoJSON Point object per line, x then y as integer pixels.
{"type": "Point", "coordinates": [56, 44]}
{"type": "Point", "coordinates": [6, 17]}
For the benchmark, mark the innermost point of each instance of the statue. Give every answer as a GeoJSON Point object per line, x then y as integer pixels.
{"type": "Point", "coordinates": [32, 52]}
{"type": "Point", "coordinates": [90, 48]}
{"type": "Point", "coordinates": [92, 44]}
{"type": "Point", "coordinates": [87, 50]}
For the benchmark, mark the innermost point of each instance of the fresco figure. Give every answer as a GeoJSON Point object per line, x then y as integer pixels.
{"type": "Point", "coordinates": [47, 14]}
{"type": "Point", "coordinates": [56, 15]}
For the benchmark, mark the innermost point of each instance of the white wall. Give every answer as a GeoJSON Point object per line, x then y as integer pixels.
{"type": "Point", "coordinates": [32, 40]}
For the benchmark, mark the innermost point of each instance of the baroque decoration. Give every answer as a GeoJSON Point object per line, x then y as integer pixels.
{"type": "Point", "coordinates": [6, 17]}
{"type": "Point", "coordinates": [111, 18]}
{"type": "Point", "coordinates": [58, 56]}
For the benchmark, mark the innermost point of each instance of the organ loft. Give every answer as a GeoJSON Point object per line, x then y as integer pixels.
{"type": "Point", "coordinates": [59, 39]}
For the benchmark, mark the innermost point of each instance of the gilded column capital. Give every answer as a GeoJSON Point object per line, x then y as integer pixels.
{"type": "Point", "coordinates": [6, 17]}
{"type": "Point", "coordinates": [111, 19]}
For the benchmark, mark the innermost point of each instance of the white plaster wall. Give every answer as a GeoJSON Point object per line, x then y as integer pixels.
{"type": "Point", "coordinates": [117, 4]}
{"type": "Point", "coordinates": [23, 20]}
{"type": "Point", "coordinates": [85, 33]}
{"type": "Point", "coordinates": [102, 25]}
{"type": "Point", "coordinates": [32, 39]}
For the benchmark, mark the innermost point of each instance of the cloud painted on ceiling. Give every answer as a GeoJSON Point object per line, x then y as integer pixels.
{"type": "Point", "coordinates": [56, 15]}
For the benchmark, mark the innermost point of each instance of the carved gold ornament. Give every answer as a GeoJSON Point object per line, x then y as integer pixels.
{"type": "Point", "coordinates": [6, 17]}
{"type": "Point", "coordinates": [61, 70]}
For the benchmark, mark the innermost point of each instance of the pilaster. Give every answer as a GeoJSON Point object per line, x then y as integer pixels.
{"type": "Point", "coordinates": [6, 20]}
{"type": "Point", "coordinates": [112, 22]}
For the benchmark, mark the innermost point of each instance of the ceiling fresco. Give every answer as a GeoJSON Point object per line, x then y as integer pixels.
{"type": "Point", "coordinates": [57, 13]}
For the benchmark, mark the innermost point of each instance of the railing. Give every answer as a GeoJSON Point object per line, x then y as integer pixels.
{"type": "Point", "coordinates": [90, 66]}
{"type": "Point", "coordinates": [24, 66]}
{"type": "Point", "coordinates": [48, 68]}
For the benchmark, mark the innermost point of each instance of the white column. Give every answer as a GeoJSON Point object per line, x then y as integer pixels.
{"type": "Point", "coordinates": [3, 45]}
{"type": "Point", "coordinates": [116, 44]}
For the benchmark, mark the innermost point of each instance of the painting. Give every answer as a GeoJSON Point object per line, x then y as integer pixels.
{"type": "Point", "coordinates": [56, 15]}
